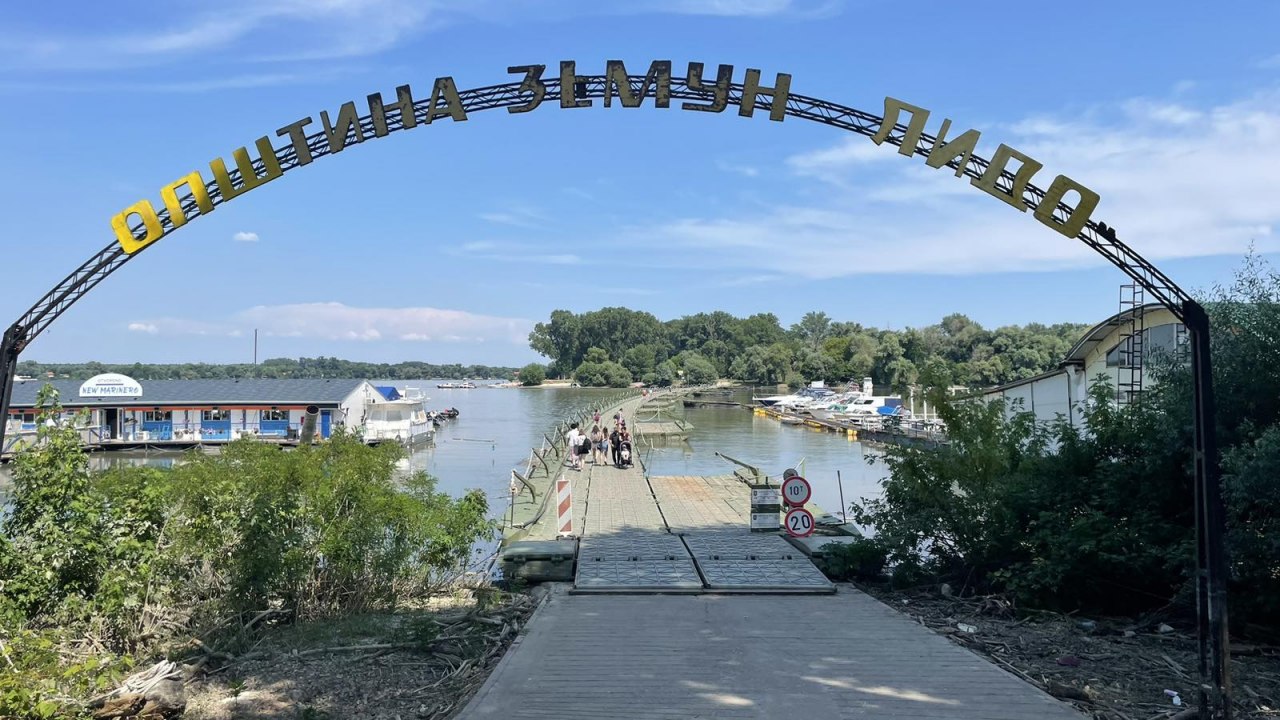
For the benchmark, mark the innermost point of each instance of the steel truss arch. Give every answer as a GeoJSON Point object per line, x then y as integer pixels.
{"type": "Point", "coordinates": [1096, 235]}
{"type": "Point", "coordinates": [1210, 516]}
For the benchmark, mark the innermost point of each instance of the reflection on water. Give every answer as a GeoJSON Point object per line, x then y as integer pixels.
{"type": "Point", "coordinates": [496, 427]}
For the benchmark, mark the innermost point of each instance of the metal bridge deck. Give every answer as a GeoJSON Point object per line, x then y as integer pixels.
{"type": "Point", "coordinates": [678, 535]}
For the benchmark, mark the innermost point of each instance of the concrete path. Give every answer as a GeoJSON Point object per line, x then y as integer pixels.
{"type": "Point", "coordinates": [746, 656]}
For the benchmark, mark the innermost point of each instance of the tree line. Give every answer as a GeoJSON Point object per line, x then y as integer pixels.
{"type": "Point", "coordinates": [275, 368]}
{"type": "Point", "coordinates": [616, 345]}
{"type": "Point", "coordinates": [1099, 516]}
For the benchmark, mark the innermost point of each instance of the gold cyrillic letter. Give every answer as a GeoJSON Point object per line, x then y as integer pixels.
{"type": "Point", "coordinates": [990, 179]}
{"type": "Point", "coordinates": [962, 147]}
{"type": "Point", "coordinates": [129, 242]}
{"type": "Point", "coordinates": [348, 122]}
{"type": "Point", "coordinates": [532, 84]}
{"type": "Point", "coordinates": [1072, 224]}
{"type": "Point", "coordinates": [196, 190]}
{"type": "Point", "coordinates": [249, 178]}
{"type": "Point", "coordinates": [777, 94]}
{"type": "Point", "coordinates": [569, 86]}
{"type": "Point", "coordinates": [378, 111]}
{"type": "Point", "coordinates": [659, 76]}
{"type": "Point", "coordinates": [444, 88]}
{"type": "Point", "coordinates": [892, 109]}
{"type": "Point", "coordinates": [720, 91]}
{"type": "Point", "coordinates": [298, 139]}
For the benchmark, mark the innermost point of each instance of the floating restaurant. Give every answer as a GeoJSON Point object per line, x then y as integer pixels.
{"type": "Point", "coordinates": [122, 413]}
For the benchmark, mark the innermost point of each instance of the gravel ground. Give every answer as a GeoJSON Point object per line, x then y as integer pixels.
{"type": "Point", "coordinates": [420, 663]}
{"type": "Point", "coordinates": [1109, 668]}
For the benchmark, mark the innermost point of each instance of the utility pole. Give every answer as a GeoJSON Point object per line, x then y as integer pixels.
{"type": "Point", "coordinates": [255, 346]}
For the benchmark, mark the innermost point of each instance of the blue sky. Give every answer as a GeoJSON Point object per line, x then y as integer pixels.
{"type": "Point", "coordinates": [448, 242]}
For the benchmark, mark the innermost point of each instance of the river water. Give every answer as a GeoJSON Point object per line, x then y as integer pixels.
{"type": "Point", "coordinates": [496, 427]}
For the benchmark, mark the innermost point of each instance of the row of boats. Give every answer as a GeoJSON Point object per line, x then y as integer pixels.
{"type": "Point", "coordinates": [860, 408]}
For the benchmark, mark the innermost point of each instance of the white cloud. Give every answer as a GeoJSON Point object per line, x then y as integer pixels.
{"type": "Point", "coordinates": [243, 236]}
{"type": "Point", "coordinates": [506, 251]}
{"type": "Point", "coordinates": [747, 8]}
{"type": "Point", "coordinates": [339, 322]}
{"type": "Point", "coordinates": [516, 217]}
{"type": "Point", "coordinates": [743, 170]}
{"type": "Point", "coordinates": [1177, 181]}
{"type": "Point", "coordinates": [320, 29]}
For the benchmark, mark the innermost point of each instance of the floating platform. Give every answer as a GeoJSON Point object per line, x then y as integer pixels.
{"type": "Point", "coordinates": [661, 429]}
{"type": "Point", "coordinates": [919, 438]}
{"type": "Point", "coordinates": [712, 403]}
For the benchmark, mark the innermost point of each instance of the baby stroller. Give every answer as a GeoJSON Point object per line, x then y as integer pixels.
{"type": "Point", "coordinates": [624, 454]}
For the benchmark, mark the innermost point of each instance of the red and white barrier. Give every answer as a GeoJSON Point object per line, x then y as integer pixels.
{"type": "Point", "coordinates": [564, 506]}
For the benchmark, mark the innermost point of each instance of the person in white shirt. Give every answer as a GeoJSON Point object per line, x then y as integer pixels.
{"type": "Point", "coordinates": [573, 442]}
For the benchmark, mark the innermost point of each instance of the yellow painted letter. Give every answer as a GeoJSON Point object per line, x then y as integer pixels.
{"type": "Point", "coordinates": [990, 180]}
{"type": "Point", "coordinates": [249, 177]}
{"type": "Point", "coordinates": [659, 76]}
{"type": "Point", "coordinates": [532, 83]}
{"type": "Point", "coordinates": [911, 136]}
{"type": "Point", "coordinates": [719, 91]}
{"type": "Point", "coordinates": [378, 111]}
{"type": "Point", "coordinates": [1072, 224]}
{"type": "Point", "coordinates": [960, 149]}
{"type": "Point", "coordinates": [446, 90]}
{"type": "Point", "coordinates": [298, 139]}
{"type": "Point", "coordinates": [777, 95]}
{"type": "Point", "coordinates": [569, 80]}
{"type": "Point", "coordinates": [348, 124]}
{"type": "Point", "coordinates": [196, 191]}
{"type": "Point", "coordinates": [152, 231]}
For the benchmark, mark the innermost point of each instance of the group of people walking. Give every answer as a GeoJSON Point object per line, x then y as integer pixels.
{"type": "Point", "coordinates": [600, 445]}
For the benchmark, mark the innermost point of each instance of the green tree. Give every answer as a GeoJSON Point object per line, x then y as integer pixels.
{"type": "Point", "coordinates": [533, 374]}
{"type": "Point", "coordinates": [697, 369]}
{"type": "Point", "coordinates": [812, 329]}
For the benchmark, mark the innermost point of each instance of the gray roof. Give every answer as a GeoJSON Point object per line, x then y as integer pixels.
{"type": "Point", "coordinates": [199, 392]}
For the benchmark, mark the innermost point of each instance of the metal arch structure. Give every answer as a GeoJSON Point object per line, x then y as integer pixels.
{"type": "Point", "coordinates": [1209, 510]}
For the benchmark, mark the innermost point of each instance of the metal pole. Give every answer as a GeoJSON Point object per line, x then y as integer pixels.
{"type": "Point", "coordinates": [840, 482]}
{"type": "Point", "coordinates": [1211, 553]}
{"type": "Point", "coordinates": [9, 349]}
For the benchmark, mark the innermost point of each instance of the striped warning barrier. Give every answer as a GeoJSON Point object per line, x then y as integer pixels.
{"type": "Point", "coordinates": [564, 506]}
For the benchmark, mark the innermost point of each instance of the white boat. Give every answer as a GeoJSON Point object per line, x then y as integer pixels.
{"type": "Point", "coordinates": [398, 416]}
{"type": "Point", "coordinates": [801, 398]}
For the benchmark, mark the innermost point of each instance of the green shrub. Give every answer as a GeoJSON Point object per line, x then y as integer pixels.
{"type": "Point", "coordinates": [863, 559]}
{"type": "Point", "coordinates": [139, 557]}
{"type": "Point", "coordinates": [533, 374]}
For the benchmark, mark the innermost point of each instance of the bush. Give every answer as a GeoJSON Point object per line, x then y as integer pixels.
{"type": "Point", "coordinates": [698, 370]}
{"type": "Point", "coordinates": [864, 559]}
{"type": "Point", "coordinates": [141, 556]}
{"type": "Point", "coordinates": [602, 374]}
{"type": "Point", "coordinates": [533, 374]}
{"type": "Point", "coordinates": [1057, 516]}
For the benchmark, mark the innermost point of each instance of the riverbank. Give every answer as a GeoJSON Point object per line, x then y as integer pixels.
{"type": "Point", "coordinates": [423, 661]}
{"type": "Point", "coordinates": [1109, 668]}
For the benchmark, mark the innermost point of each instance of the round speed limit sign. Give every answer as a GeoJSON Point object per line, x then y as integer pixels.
{"type": "Point", "coordinates": [799, 522]}
{"type": "Point", "coordinates": [796, 491]}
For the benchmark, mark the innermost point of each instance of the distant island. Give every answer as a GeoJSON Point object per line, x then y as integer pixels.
{"type": "Point", "coordinates": [283, 368]}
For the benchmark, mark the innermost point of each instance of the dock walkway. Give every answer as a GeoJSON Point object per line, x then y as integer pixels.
{"type": "Point", "coordinates": [678, 611]}
{"type": "Point", "coordinates": [668, 657]}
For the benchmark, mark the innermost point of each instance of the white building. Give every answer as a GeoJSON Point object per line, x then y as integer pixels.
{"type": "Point", "coordinates": [213, 411]}
{"type": "Point", "coordinates": [1111, 349]}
